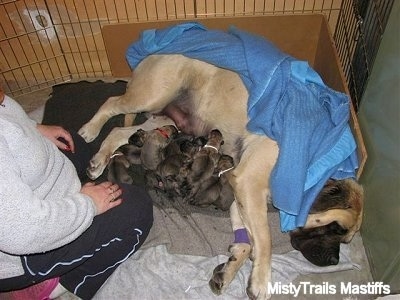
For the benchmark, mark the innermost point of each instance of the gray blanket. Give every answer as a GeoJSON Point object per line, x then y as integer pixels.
{"type": "Point", "coordinates": [185, 229]}
{"type": "Point", "coordinates": [177, 260]}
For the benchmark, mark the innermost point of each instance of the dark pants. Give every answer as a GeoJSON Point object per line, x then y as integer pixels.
{"type": "Point", "coordinates": [86, 263]}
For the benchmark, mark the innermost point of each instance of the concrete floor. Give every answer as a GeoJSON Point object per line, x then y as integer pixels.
{"type": "Point", "coordinates": [32, 101]}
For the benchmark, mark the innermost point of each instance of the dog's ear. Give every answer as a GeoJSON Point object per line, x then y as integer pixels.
{"type": "Point", "coordinates": [334, 194]}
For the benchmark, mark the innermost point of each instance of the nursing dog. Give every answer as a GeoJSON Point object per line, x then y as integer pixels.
{"type": "Point", "coordinates": [198, 97]}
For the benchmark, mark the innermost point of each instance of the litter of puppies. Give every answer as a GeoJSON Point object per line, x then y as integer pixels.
{"type": "Point", "coordinates": [178, 165]}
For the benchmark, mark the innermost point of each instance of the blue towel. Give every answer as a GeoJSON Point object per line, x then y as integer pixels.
{"type": "Point", "coordinates": [288, 102]}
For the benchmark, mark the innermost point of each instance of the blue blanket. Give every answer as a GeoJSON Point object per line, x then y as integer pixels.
{"type": "Point", "coordinates": [288, 102]}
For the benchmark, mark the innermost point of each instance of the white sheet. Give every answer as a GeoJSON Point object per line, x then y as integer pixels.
{"type": "Point", "coordinates": [153, 273]}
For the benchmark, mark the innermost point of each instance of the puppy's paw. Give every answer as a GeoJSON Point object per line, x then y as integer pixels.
{"type": "Point", "coordinates": [96, 166]}
{"type": "Point", "coordinates": [88, 132]}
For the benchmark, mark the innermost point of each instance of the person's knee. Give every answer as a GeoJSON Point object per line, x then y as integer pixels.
{"type": "Point", "coordinates": [138, 206]}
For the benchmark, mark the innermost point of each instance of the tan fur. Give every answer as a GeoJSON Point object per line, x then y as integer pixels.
{"type": "Point", "coordinates": [349, 218]}
{"type": "Point", "coordinates": [219, 98]}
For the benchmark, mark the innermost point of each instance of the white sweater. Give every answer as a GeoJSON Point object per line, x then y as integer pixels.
{"type": "Point", "coordinates": [41, 207]}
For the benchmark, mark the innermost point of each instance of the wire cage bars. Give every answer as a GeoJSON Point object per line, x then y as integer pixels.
{"type": "Point", "coordinates": [45, 42]}
{"type": "Point", "coordinates": [357, 37]}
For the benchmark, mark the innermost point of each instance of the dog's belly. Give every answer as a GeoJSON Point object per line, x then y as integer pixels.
{"type": "Point", "coordinates": [220, 103]}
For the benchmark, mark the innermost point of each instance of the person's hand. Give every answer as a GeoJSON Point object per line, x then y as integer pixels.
{"type": "Point", "coordinates": [58, 135]}
{"type": "Point", "coordinates": [105, 195]}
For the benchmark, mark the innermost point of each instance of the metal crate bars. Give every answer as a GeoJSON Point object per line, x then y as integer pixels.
{"type": "Point", "coordinates": [45, 42]}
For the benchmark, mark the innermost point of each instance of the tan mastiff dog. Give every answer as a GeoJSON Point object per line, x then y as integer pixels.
{"type": "Point", "coordinates": [198, 97]}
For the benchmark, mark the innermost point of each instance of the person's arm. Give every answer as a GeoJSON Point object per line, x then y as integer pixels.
{"type": "Point", "coordinates": [30, 224]}
{"type": "Point", "coordinates": [63, 140]}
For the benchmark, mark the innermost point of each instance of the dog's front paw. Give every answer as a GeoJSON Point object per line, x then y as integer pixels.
{"type": "Point", "coordinates": [217, 282]}
{"type": "Point", "coordinates": [257, 290]}
{"type": "Point", "coordinates": [96, 166]}
{"type": "Point", "coordinates": [88, 132]}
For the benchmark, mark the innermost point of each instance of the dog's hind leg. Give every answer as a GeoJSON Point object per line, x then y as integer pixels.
{"type": "Point", "coordinates": [153, 86]}
{"type": "Point", "coordinates": [110, 108]}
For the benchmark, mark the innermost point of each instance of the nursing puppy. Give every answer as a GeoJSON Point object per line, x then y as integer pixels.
{"type": "Point", "coordinates": [177, 154]}
{"type": "Point", "coordinates": [195, 175]}
{"type": "Point", "coordinates": [216, 189]}
{"type": "Point", "coordinates": [153, 144]}
{"type": "Point", "coordinates": [120, 161]}
{"type": "Point", "coordinates": [198, 97]}
{"type": "Point", "coordinates": [225, 192]}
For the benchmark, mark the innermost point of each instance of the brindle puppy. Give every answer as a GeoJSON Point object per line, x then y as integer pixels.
{"type": "Point", "coordinates": [153, 144]}
{"type": "Point", "coordinates": [178, 153]}
{"type": "Point", "coordinates": [226, 194]}
{"type": "Point", "coordinates": [201, 167]}
{"type": "Point", "coordinates": [120, 161]}
{"type": "Point", "coordinates": [216, 189]}
{"type": "Point", "coordinates": [142, 145]}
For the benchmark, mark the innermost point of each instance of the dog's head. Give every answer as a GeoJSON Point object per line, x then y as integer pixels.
{"type": "Point", "coordinates": [131, 152]}
{"type": "Point", "coordinates": [319, 245]}
{"type": "Point", "coordinates": [335, 217]}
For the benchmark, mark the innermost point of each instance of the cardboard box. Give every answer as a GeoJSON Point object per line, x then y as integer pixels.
{"type": "Point", "coordinates": [306, 37]}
